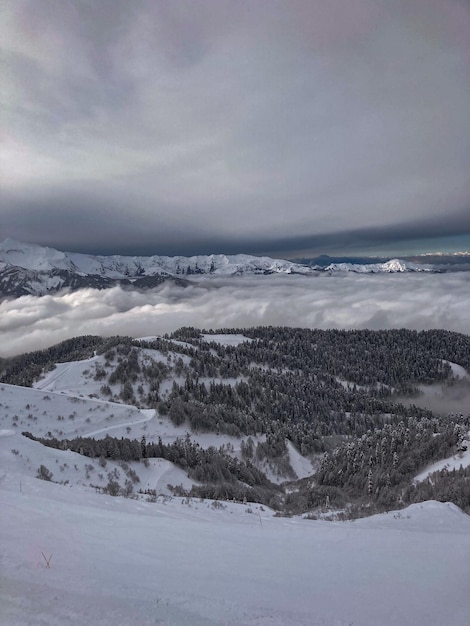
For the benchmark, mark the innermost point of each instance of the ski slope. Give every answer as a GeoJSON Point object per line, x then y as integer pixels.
{"type": "Point", "coordinates": [118, 561]}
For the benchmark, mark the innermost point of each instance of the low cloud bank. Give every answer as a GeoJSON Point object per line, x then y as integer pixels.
{"type": "Point", "coordinates": [444, 399]}
{"type": "Point", "coordinates": [345, 301]}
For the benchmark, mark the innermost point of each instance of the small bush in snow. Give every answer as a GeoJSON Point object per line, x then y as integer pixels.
{"type": "Point", "coordinates": [216, 504]}
{"type": "Point", "coordinates": [44, 473]}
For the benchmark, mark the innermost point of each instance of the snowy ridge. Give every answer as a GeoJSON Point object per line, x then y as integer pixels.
{"type": "Point", "coordinates": [38, 258]}
{"type": "Point", "coordinates": [36, 270]}
{"type": "Point", "coordinates": [28, 269]}
{"type": "Point", "coordinates": [389, 267]}
{"type": "Point", "coordinates": [32, 257]}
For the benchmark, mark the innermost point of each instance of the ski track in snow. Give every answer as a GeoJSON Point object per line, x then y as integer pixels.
{"type": "Point", "coordinates": [49, 381]}
{"type": "Point", "coordinates": [151, 414]}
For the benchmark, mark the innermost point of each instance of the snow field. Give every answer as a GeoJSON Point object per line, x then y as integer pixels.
{"type": "Point", "coordinates": [131, 562]}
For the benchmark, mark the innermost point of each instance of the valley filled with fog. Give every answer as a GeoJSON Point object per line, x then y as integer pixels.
{"type": "Point", "coordinates": [345, 300]}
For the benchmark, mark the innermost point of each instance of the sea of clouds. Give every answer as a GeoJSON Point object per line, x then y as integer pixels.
{"type": "Point", "coordinates": [416, 301]}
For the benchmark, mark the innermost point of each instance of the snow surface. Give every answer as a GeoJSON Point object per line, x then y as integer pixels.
{"type": "Point", "coordinates": [457, 370]}
{"type": "Point", "coordinates": [226, 339]}
{"type": "Point", "coordinates": [118, 561]}
{"type": "Point", "coordinates": [301, 465]}
{"type": "Point", "coordinates": [462, 459]}
{"type": "Point", "coordinates": [33, 257]}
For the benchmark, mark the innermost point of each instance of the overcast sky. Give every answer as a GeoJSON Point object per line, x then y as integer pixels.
{"type": "Point", "coordinates": [260, 126]}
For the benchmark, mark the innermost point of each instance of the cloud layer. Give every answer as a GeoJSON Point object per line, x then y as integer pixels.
{"type": "Point", "coordinates": [227, 126]}
{"type": "Point", "coordinates": [350, 301]}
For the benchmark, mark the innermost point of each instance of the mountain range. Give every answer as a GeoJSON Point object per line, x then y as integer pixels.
{"type": "Point", "coordinates": [29, 269]}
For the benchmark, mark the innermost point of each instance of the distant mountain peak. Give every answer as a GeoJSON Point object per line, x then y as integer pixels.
{"type": "Point", "coordinates": [392, 266]}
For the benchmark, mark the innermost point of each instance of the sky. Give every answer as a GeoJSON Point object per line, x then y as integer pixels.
{"type": "Point", "coordinates": [287, 128]}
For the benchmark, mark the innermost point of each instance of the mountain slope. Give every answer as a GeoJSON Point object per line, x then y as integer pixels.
{"type": "Point", "coordinates": [187, 563]}
{"type": "Point", "coordinates": [274, 399]}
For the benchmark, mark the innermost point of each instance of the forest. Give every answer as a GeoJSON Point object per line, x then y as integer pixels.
{"type": "Point", "coordinates": [343, 399]}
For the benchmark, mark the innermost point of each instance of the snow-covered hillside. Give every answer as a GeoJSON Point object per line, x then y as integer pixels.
{"type": "Point", "coordinates": [454, 462]}
{"type": "Point", "coordinates": [188, 563]}
{"type": "Point", "coordinates": [81, 399]}
{"type": "Point", "coordinates": [72, 554]}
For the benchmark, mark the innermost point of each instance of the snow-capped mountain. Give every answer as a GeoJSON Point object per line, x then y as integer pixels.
{"type": "Point", "coordinates": [37, 270]}
{"type": "Point", "coordinates": [392, 266]}
{"type": "Point", "coordinates": [32, 269]}
{"type": "Point", "coordinates": [38, 258]}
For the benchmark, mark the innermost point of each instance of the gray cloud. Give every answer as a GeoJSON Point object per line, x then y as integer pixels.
{"type": "Point", "coordinates": [87, 221]}
{"type": "Point", "coordinates": [348, 301]}
{"type": "Point", "coordinates": [232, 124]}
